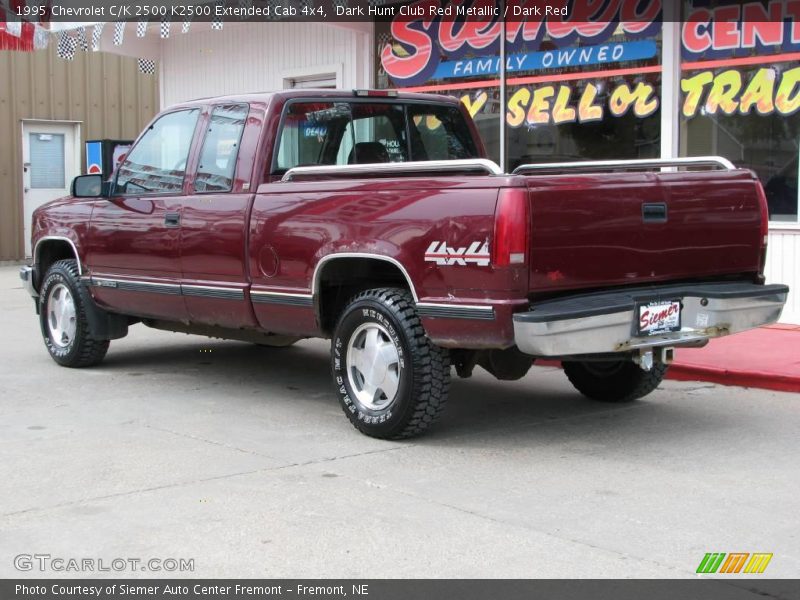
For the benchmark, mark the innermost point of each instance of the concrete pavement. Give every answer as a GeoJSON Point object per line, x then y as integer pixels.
{"type": "Point", "coordinates": [239, 457]}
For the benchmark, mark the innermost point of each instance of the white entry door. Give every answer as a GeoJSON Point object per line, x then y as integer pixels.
{"type": "Point", "coordinates": [51, 159]}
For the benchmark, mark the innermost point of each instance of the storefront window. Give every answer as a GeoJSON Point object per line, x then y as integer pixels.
{"type": "Point", "coordinates": [740, 94]}
{"type": "Point", "coordinates": [587, 86]}
{"type": "Point", "coordinates": [750, 128]}
{"type": "Point", "coordinates": [614, 118]}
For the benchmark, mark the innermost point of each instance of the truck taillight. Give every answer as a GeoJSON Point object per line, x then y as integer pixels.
{"type": "Point", "coordinates": [764, 229]}
{"type": "Point", "coordinates": [511, 227]}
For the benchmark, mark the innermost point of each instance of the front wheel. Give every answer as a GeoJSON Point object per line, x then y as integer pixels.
{"type": "Point", "coordinates": [613, 381]}
{"type": "Point", "coordinates": [392, 381]}
{"type": "Point", "coordinates": [62, 316]}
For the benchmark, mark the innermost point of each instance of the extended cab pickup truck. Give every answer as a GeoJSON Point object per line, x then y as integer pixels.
{"type": "Point", "coordinates": [374, 219]}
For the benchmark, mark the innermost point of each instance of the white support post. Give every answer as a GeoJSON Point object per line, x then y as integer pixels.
{"type": "Point", "coordinates": [670, 80]}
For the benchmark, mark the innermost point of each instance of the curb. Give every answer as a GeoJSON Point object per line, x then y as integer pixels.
{"type": "Point", "coordinates": [750, 379]}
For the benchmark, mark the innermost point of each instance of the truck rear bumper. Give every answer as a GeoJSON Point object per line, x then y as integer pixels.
{"type": "Point", "coordinates": [607, 322]}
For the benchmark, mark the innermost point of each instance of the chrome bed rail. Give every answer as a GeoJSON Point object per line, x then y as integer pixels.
{"type": "Point", "coordinates": [644, 163]}
{"type": "Point", "coordinates": [487, 167]}
{"type": "Point", "coordinates": [481, 165]}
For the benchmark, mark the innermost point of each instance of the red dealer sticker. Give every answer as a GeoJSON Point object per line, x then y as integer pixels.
{"type": "Point", "coordinates": [659, 317]}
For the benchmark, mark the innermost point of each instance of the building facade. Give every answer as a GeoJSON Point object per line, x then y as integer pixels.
{"type": "Point", "coordinates": [48, 108]}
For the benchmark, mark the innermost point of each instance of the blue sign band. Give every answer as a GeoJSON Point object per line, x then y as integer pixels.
{"type": "Point", "coordinates": [549, 59]}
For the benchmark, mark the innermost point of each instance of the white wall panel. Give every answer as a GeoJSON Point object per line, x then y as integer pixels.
{"type": "Point", "coordinates": [256, 57]}
{"type": "Point", "coordinates": [783, 266]}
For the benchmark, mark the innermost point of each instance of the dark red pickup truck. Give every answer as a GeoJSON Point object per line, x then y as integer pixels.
{"type": "Point", "coordinates": [374, 220]}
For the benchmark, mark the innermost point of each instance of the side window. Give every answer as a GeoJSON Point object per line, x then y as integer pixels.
{"type": "Point", "coordinates": [157, 163]}
{"type": "Point", "coordinates": [439, 133]}
{"type": "Point", "coordinates": [379, 133]}
{"type": "Point", "coordinates": [217, 164]}
{"type": "Point", "coordinates": [312, 134]}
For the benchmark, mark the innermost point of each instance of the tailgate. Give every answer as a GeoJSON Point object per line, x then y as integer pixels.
{"type": "Point", "coordinates": [593, 231]}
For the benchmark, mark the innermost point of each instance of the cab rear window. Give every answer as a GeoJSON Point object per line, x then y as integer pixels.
{"type": "Point", "coordinates": [342, 133]}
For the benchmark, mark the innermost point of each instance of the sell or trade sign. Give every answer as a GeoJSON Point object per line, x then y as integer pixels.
{"type": "Point", "coordinates": [556, 104]}
{"type": "Point", "coordinates": [729, 92]}
{"type": "Point", "coordinates": [550, 104]}
{"type": "Point", "coordinates": [764, 92]}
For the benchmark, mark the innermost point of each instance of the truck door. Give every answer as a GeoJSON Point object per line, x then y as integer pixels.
{"type": "Point", "coordinates": [214, 219]}
{"type": "Point", "coordinates": [134, 236]}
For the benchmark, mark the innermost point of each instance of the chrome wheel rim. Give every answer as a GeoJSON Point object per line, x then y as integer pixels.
{"type": "Point", "coordinates": [373, 366]}
{"type": "Point", "coordinates": [62, 322]}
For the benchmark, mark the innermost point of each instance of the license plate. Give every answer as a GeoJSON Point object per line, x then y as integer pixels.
{"type": "Point", "coordinates": [659, 317]}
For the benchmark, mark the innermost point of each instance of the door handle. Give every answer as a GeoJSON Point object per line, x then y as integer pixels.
{"type": "Point", "coordinates": [172, 219]}
{"type": "Point", "coordinates": [654, 212]}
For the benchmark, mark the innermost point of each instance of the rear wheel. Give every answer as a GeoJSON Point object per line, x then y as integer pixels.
{"type": "Point", "coordinates": [613, 381]}
{"type": "Point", "coordinates": [392, 381]}
{"type": "Point", "coordinates": [62, 317]}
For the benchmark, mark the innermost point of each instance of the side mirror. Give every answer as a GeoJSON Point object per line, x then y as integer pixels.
{"type": "Point", "coordinates": [90, 186]}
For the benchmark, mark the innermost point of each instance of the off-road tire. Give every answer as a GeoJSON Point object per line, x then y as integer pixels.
{"type": "Point", "coordinates": [82, 350]}
{"type": "Point", "coordinates": [614, 381]}
{"type": "Point", "coordinates": [424, 374]}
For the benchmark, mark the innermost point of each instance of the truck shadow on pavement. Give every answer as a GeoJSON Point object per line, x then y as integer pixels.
{"type": "Point", "coordinates": [541, 408]}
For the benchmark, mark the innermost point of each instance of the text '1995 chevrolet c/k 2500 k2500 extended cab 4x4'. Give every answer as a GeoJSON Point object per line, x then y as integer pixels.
{"type": "Point", "coordinates": [375, 220]}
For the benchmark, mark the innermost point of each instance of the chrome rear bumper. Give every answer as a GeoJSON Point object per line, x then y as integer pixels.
{"type": "Point", "coordinates": [27, 274]}
{"type": "Point", "coordinates": [605, 322]}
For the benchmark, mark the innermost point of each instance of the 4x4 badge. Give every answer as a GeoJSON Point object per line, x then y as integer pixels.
{"type": "Point", "coordinates": [476, 253]}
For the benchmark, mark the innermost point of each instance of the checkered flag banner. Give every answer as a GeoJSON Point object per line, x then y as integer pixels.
{"type": "Point", "coordinates": [164, 29]}
{"type": "Point", "coordinates": [340, 3]}
{"type": "Point", "coordinates": [245, 4]}
{"type": "Point", "coordinates": [186, 25]}
{"type": "Point", "coordinates": [66, 46]}
{"type": "Point", "coordinates": [119, 33]}
{"type": "Point", "coordinates": [216, 23]}
{"type": "Point", "coordinates": [272, 4]}
{"type": "Point", "coordinates": [97, 32]}
{"type": "Point", "coordinates": [147, 67]}
{"type": "Point", "coordinates": [82, 41]}
{"type": "Point", "coordinates": [141, 28]}
{"type": "Point", "coordinates": [41, 38]}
